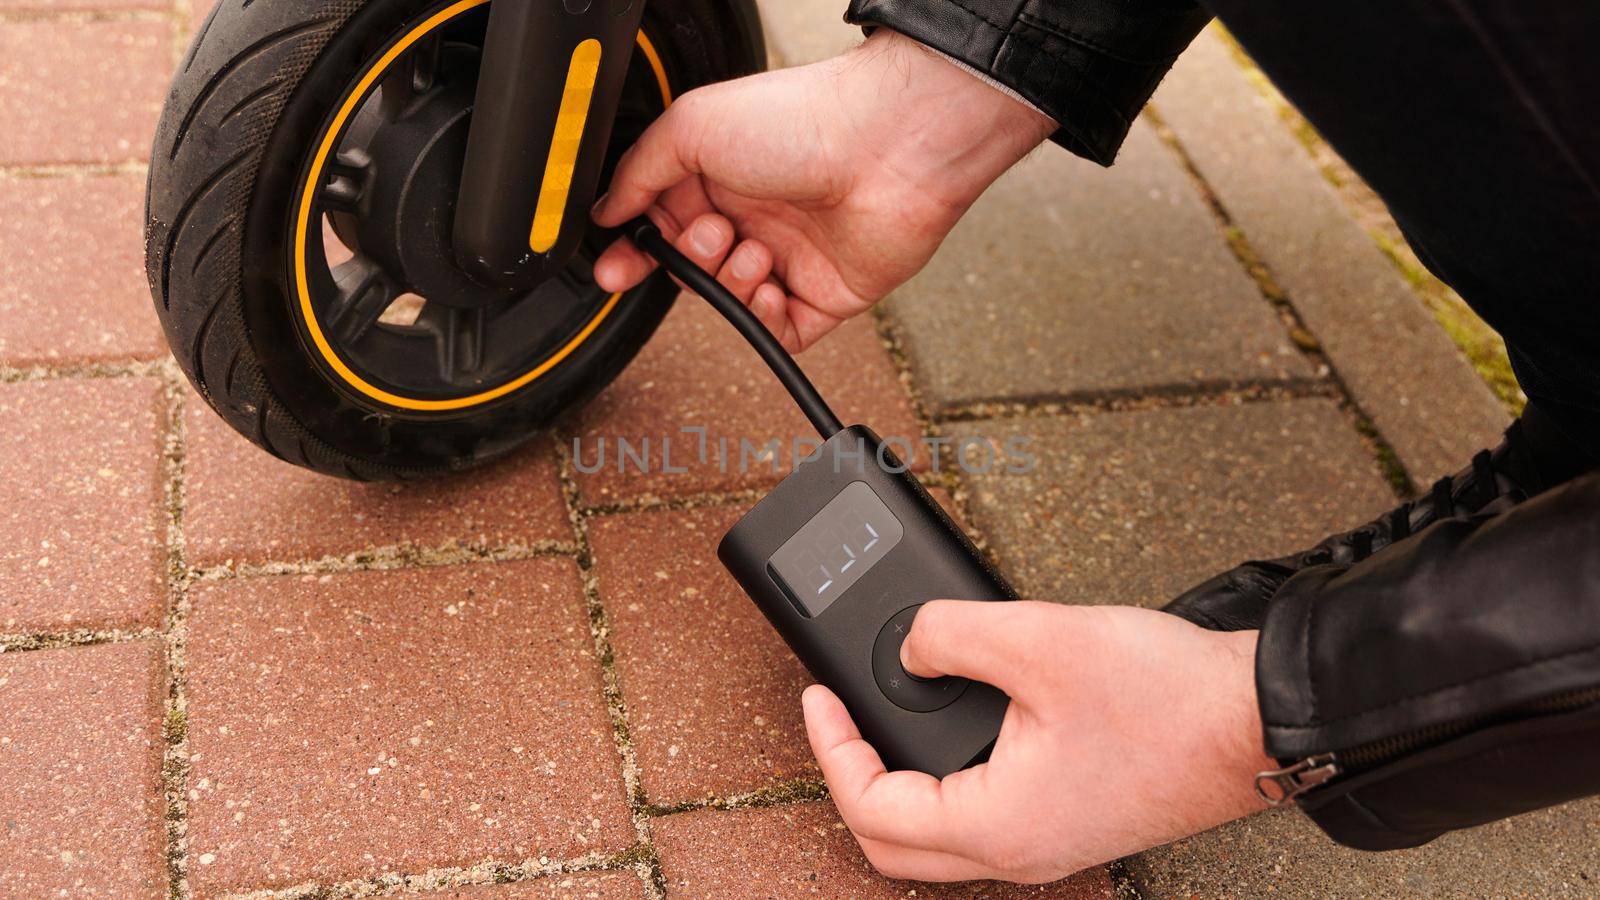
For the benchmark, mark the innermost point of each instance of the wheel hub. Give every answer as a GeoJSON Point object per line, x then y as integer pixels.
{"type": "Point", "coordinates": [410, 154]}
{"type": "Point", "coordinates": [392, 313]}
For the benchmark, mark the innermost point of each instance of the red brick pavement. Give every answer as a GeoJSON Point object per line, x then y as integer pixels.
{"type": "Point", "coordinates": [82, 505]}
{"type": "Point", "coordinates": [78, 295]}
{"type": "Point", "coordinates": [396, 721]}
{"type": "Point", "coordinates": [339, 723]}
{"type": "Point", "coordinates": [803, 849]}
{"type": "Point", "coordinates": [80, 91]}
{"type": "Point", "coordinates": [80, 772]}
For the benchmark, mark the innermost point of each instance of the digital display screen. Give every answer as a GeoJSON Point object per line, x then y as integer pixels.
{"type": "Point", "coordinates": [853, 533]}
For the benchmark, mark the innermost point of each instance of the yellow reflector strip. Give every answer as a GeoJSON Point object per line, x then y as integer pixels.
{"type": "Point", "coordinates": [558, 170]}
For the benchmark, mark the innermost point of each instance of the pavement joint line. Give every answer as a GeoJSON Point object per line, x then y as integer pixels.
{"type": "Point", "coordinates": [1373, 217]}
{"type": "Point", "coordinates": [948, 476]}
{"type": "Point", "coordinates": [651, 503]}
{"type": "Point", "coordinates": [648, 861]}
{"type": "Point", "coordinates": [1178, 397]}
{"type": "Point", "coordinates": [180, 13]}
{"type": "Point", "coordinates": [174, 726]}
{"type": "Point", "coordinates": [1123, 885]}
{"type": "Point", "coordinates": [387, 558]}
{"type": "Point", "coordinates": [24, 171]}
{"type": "Point", "coordinates": [488, 872]}
{"type": "Point", "coordinates": [1310, 346]}
{"type": "Point", "coordinates": [125, 369]}
{"type": "Point", "coordinates": [656, 503]}
{"type": "Point", "coordinates": [638, 858]}
{"type": "Point", "coordinates": [70, 167]}
{"type": "Point", "coordinates": [29, 642]}
{"type": "Point", "coordinates": [784, 793]}
{"type": "Point", "coordinates": [84, 15]}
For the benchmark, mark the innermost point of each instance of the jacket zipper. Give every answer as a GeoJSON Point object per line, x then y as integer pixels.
{"type": "Point", "coordinates": [1280, 786]}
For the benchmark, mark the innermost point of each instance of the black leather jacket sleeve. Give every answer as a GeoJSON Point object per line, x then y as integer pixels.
{"type": "Point", "coordinates": [1450, 680]}
{"type": "Point", "coordinates": [1089, 64]}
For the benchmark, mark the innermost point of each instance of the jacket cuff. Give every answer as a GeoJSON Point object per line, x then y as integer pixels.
{"type": "Point", "coordinates": [1449, 677]}
{"type": "Point", "coordinates": [1089, 64]}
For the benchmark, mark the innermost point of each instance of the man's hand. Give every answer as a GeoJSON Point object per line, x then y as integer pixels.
{"type": "Point", "coordinates": [814, 192]}
{"type": "Point", "coordinates": [1127, 729]}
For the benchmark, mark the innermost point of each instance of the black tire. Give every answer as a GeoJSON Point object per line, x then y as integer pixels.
{"type": "Point", "coordinates": [258, 86]}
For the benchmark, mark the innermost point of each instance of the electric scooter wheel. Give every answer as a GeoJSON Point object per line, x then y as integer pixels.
{"type": "Point", "coordinates": [299, 215]}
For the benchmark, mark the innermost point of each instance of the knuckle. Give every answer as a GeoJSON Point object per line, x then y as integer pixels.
{"type": "Point", "coordinates": [692, 103]}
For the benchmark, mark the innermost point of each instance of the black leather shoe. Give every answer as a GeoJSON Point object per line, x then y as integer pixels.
{"type": "Point", "coordinates": [1534, 457]}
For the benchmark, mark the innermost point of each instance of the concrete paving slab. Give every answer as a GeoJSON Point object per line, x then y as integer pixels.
{"type": "Point", "coordinates": [1135, 507]}
{"type": "Point", "coordinates": [1066, 280]}
{"type": "Point", "coordinates": [1553, 853]}
{"type": "Point", "coordinates": [1400, 365]}
{"type": "Point", "coordinates": [806, 31]}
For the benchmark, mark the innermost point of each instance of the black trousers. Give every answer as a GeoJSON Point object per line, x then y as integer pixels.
{"type": "Point", "coordinates": [1478, 122]}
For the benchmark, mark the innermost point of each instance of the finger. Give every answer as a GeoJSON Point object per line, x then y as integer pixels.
{"type": "Point", "coordinates": [996, 643]}
{"type": "Point", "coordinates": [662, 157]}
{"type": "Point", "coordinates": [810, 324]}
{"type": "Point", "coordinates": [902, 808]}
{"type": "Point", "coordinates": [622, 267]}
{"type": "Point", "coordinates": [746, 269]}
{"type": "Point", "coordinates": [770, 306]}
{"type": "Point", "coordinates": [911, 864]}
{"type": "Point", "coordinates": [707, 241]}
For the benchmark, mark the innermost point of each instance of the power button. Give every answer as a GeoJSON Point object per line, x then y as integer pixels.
{"type": "Point", "coordinates": [902, 688]}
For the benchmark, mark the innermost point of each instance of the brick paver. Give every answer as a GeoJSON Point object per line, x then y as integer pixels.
{"type": "Point", "coordinates": [588, 886]}
{"type": "Point", "coordinates": [78, 295]}
{"type": "Point", "coordinates": [81, 91]}
{"type": "Point", "coordinates": [80, 772]}
{"type": "Point", "coordinates": [1034, 295]}
{"type": "Point", "coordinates": [245, 506]}
{"type": "Point", "coordinates": [199, 11]}
{"type": "Point", "coordinates": [1399, 364]}
{"type": "Point", "coordinates": [698, 372]}
{"type": "Point", "coordinates": [713, 693]}
{"type": "Point", "coordinates": [357, 724]}
{"type": "Point", "coordinates": [82, 509]}
{"type": "Point", "coordinates": [1135, 507]}
{"type": "Point", "coordinates": [803, 849]}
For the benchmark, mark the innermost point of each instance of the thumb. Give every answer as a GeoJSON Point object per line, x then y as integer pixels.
{"type": "Point", "coordinates": [999, 643]}
{"type": "Point", "coordinates": [666, 154]}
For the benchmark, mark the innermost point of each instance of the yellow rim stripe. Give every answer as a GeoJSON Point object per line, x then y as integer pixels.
{"type": "Point", "coordinates": [565, 142]}
{"type": "Point", "coordinates": [656, 66]}
{"type": "Point", "coordinates": [303, 227]}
